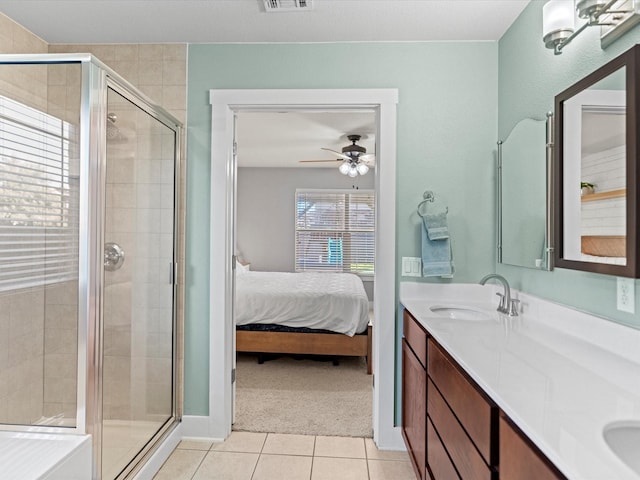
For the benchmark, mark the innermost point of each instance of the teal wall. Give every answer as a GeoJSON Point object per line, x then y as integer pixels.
{"type": "Point", "coordinates": [529, 77]}
{"type": "Point", "coordinates": [447, 130]}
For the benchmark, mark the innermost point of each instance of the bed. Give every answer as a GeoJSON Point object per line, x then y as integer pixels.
{"type": "Point", "coordinates": [312, 313]}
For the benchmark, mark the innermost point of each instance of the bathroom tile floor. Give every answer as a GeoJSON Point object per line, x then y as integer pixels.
{"type": "Point", "coordinates": [273, 456]}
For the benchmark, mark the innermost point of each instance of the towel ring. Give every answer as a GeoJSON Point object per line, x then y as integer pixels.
{"type": "Point", "coordinates": [429, 197]}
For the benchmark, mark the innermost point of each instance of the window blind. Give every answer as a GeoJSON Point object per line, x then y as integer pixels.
{"type": "Point", "coordinates": [335, 231]}
{"type": "Point", "coordinates": [38, 199]}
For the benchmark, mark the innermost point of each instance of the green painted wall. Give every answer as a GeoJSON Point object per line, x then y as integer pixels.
{"type": "Point", "coordinates": [529, 78]}
{"type": "Point", "coordinates": [447, 129]}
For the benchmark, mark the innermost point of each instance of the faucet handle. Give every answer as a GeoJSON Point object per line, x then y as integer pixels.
{"type": "Point", "coordinates": [501, 307]}
{"type": "Point", "coordinates": [513, 309]}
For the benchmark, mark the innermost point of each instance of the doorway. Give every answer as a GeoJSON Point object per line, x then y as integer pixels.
{"type": "Point", "coordinates": [225, 103]}
{"type": "Point", "coordinates": [296, 211]}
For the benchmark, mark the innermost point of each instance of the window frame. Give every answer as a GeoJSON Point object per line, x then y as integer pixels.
{"type": "Point", "coordinates": [343, 233]}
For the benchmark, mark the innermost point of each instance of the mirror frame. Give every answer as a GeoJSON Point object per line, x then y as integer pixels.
{"type": "Point", "coordinates": [631, 60]}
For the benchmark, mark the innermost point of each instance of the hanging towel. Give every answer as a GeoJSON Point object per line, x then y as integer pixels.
{"type": "Point", "coordinates": [436, 225]}
{"type": "Point", "coordinates": [437, 256]}
{"type": "Point", "coordinates": [434, 215]}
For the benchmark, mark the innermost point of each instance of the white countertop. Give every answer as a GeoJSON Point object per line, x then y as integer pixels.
{"type": "Point", "coordinates": [559, 374]}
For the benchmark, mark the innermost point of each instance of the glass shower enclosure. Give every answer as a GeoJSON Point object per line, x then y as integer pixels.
{"type": "Point", "coordinates": [88, 258]}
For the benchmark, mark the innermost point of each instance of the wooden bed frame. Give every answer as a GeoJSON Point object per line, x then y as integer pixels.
{"type": "Point", "coordinates": [306, 343]}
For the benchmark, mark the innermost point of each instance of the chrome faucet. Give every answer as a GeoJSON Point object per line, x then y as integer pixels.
{"type": "Point", "coordinates": [507, 304]}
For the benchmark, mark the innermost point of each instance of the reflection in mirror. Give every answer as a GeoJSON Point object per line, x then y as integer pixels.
{"type": "Point", "coordinates": [522, 222]}
{"type": "Point", "coordinates": [594, 179]}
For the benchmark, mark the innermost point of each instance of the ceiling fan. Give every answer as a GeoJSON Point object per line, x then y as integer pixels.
{"type": "Point", "coordinates": [355, 159]}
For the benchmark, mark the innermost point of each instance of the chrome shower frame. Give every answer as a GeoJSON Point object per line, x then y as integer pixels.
{"type": "Point", "coordinates": [96, 79]}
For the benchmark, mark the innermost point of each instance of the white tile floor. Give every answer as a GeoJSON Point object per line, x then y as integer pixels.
{"type": "Point", "coordinates": [273, 456]}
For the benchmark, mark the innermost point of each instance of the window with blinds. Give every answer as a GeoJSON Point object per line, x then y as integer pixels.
{"type": "Point", "coordinates": [38, 199]}
{"type": "Point", "coordinates": [335, 231]}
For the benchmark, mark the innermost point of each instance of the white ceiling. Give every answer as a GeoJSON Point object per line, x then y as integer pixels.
{"type": "Point", "coordinates": [282, 139]}
{"type": "Point", "coordinates": [270, 139]}
{"type": "Point", "coordinates": [208, 21]}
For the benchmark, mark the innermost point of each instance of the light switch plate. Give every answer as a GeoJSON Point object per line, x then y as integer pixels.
{"type": "Point", "coordinates": [411, 267]}
{"type": "Point", "coordinates": [626, 295]}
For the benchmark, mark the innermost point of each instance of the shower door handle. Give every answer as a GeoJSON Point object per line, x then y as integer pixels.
{"type": "Point", "coordinates": [113, 256]}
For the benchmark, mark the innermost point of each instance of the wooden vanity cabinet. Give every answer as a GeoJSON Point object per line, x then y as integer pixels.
{"type": "Point", "coordinates": [465, 419]}
{"type": "Point", "coordinates": [414, 394]}
{"type": "Point", "coordinates": [440, 464]}
{"type": "Point", "coordinates": [520, 459]}
{"type": "Point", "coordinates": [452, 429]}
{"type": "Point", "coordinates": [475, 411]}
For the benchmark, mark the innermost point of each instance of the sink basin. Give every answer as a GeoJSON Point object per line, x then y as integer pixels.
{"type": "Point", "coordinates": [456, 312]}
{"type": "Point", "coordinates": [623, 439]}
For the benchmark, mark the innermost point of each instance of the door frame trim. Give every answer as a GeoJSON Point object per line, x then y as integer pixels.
{"type": "Point", "coordinates": [225, 103]}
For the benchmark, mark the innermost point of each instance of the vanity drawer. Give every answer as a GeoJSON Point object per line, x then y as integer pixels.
{"type": "Point", "coordinates": [521, 460]}
{"type": "Point", "coordinates": [473, 409]}
{"type": "Point", "coordinates": [440, 466]}
{"type": "Point", "coordinates": [466, 458]}
{"type": "Point", "coordinates": [416, 337]}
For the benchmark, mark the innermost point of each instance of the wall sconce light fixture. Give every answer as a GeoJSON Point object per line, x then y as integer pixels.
{"type": "Point", "coordinates": [614, 17]}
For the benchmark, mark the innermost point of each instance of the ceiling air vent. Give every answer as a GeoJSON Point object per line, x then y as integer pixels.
{"type": "Point", "coordinates": [287, 5]}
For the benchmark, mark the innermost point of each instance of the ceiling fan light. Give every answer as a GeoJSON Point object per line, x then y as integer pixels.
{"type": "Point", "coordinates": [344, 168]}
{"type": "Point", "coordinates": [362, 168]}
{"type": "Point", "coordinates": [353, 172]}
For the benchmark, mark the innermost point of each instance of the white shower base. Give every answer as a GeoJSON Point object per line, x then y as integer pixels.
{"type": "Point", "coordinates": [44, 456]}
{"type": "Point", "coordinates": [121, 440]}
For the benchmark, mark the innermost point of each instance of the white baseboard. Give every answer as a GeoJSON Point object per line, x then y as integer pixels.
{"type": "Point", "coordinates": [197, 427]}
{"type": "Point", "coordinates": [153, 465]}
{"type": "Point", "coordinates": [392, 441]}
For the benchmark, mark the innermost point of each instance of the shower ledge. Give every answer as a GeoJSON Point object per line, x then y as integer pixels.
{"type": "Point", "coordinates": [44, 456]}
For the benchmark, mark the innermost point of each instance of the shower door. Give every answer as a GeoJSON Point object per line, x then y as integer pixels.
{"type": "Point", "coordinates": [138, 329]}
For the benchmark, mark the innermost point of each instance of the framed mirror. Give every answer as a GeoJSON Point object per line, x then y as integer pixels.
{"type": "Point", "coordinates": [523, 195]}
{"type": "Point", "coordinates": [595, 191]}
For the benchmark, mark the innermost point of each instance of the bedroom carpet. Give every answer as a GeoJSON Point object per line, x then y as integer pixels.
{"type": "Point", "coordinates": [309, 397]}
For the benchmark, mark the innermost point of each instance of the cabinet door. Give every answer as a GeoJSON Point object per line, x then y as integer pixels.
{"type": "Point", "coordinates": [438, 460]}
{"type": "Point", "coordinates": [521, 461]}
{"type": "Point", "coordinates": [414, 409]}
{"type": "Point", "coordinates": [462, 451]}
{"type": "Point", "coordinates": [473, 409]}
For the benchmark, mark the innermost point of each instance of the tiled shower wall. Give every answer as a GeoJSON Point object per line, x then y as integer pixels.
{"type": "Point", "coordinates": [38, 327]}
{"type": "Point", "coordinates": [135, 344]}
{"type": "Point", "coordinates": [22, 313]}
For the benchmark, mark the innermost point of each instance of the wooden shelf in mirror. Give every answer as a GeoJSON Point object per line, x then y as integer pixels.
{"type": "Point", "coordinates": [604, 245]}
{"type": "Point", "coordinates": [590, 197]}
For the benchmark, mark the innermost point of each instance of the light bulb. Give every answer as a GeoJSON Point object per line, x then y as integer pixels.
{"type": "Point", "coordinates": [362, 168]}
{"type": "Point", "coordinates": [586, 8]}
{"type": "Point", "coordinates": [352, 172]}
{"type": "Point", "coordinates": [344, 168]}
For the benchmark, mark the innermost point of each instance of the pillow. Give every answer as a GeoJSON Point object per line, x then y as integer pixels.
{"type": "Point", "coordinates": [242, 267]}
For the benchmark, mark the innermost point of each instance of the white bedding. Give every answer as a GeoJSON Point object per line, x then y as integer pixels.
{"type": "Point", "coordinates": [329, 301]}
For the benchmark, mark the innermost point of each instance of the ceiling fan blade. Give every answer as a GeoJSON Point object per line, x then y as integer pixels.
{"type": "Point", "coordinates": [340, 154]}
{"type": "Point", "coordinates": [317, 161]}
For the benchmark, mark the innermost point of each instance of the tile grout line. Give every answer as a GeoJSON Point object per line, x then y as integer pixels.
{"type": "Point", "coordinates": [313, 457]}
{"type": "Point", "coordinates": [255, 467]}
{"type": "Point", "coordinates": [366, 458]}
{"type": "Point", "coordinates": [200, 462]}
